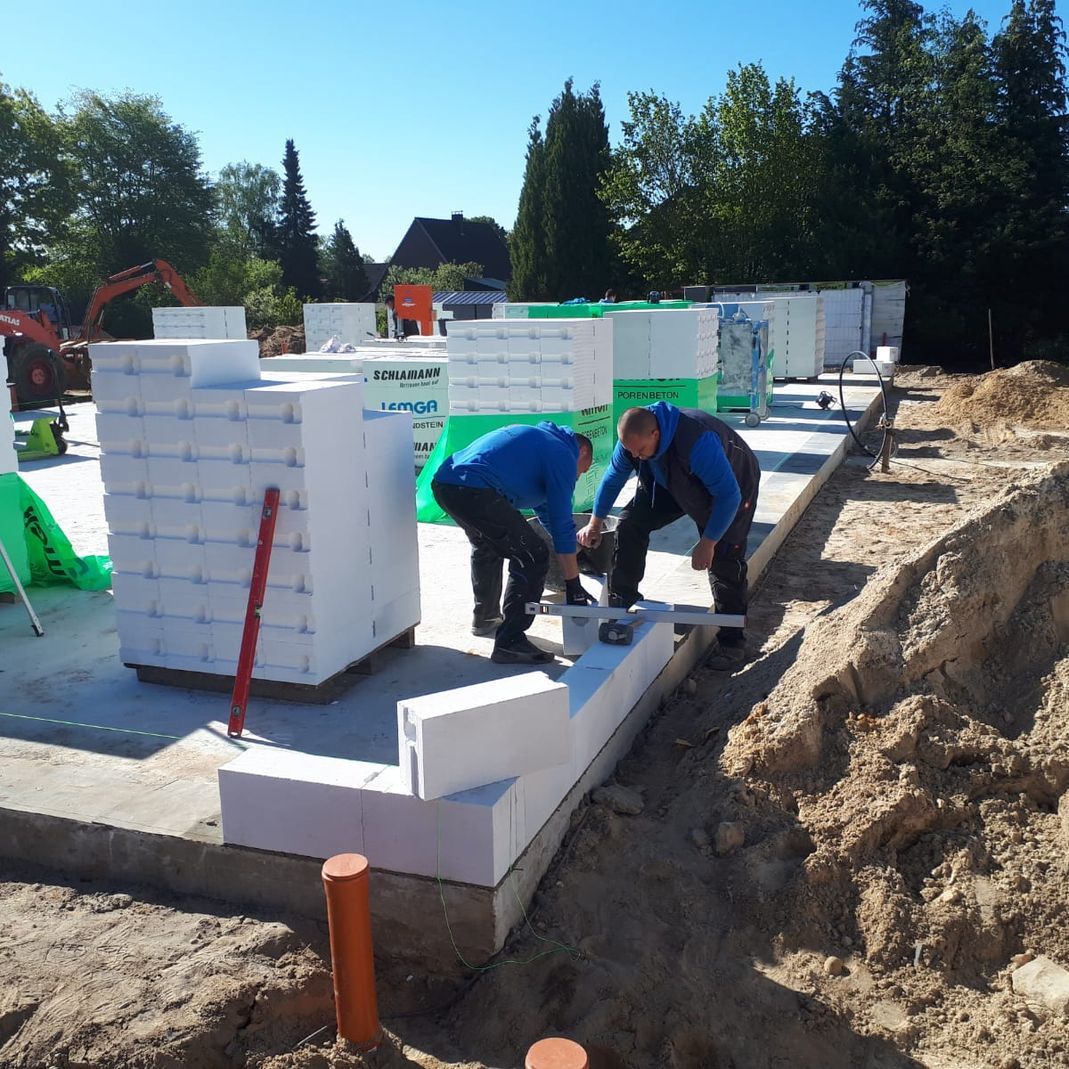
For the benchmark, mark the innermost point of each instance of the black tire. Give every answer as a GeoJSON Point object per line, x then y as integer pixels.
{"type": "Point", "coordinates": [37, 373]}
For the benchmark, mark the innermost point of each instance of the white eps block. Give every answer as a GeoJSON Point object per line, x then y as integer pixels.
{"type": "Point", "coordinates": [294, 803]}
{"type": "Point", "coordinates": [459, 739]}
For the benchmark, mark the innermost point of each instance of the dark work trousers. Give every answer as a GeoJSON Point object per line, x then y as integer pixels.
{"type": "Point", "coordinates": [727, 574]}
{"type": "Point", "coordinates": [497, 532]}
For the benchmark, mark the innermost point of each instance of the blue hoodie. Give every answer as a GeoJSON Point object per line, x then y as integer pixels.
{"type": "Point", "coordinates": [708, 462]}
{"type": "Point", "coordinates": [531, 467]}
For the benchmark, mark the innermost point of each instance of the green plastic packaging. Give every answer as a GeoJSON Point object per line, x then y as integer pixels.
{"type": "Point", "coordinates": [41, 552]}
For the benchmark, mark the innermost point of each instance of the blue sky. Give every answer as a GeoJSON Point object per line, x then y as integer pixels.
{"type": "Point", "coordinates": [409, 109]}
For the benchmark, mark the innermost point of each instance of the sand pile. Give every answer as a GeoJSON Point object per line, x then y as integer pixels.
{"type": "Point", "coordinates": [1035, 393]}
{"type": "Point", "coordinates": [914, 761]}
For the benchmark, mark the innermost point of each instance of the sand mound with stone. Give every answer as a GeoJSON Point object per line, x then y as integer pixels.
{"type": "Point", "coordinates": [917, 754]}
{"type": "Point", "coordinates": [1034, 393]}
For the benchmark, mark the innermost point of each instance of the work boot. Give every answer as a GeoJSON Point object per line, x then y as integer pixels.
{"type": "Point", "coordinates": [726, 656]}
{"type": "Point", "coordinates": [622, 601]}
{"type": "Point", "coordinates": [519, 650]}
{"type": "Point", "coordinates": [482, 628]}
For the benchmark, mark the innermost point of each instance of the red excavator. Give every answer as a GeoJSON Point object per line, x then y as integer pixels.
{"type": "Point", "coordinates": [45, 351]}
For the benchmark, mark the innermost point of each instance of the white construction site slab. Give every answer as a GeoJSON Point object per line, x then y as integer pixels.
{"type": "Point", "coordinates": [458, 739]}
{"type": "Point", "coordinates": [147, 758]}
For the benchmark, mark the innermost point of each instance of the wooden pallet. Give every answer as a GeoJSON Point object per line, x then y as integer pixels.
{"type": "Point", "coordinates": [306, 693]}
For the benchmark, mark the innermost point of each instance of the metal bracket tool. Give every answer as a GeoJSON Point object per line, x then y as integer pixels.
{"type": "Point", "coordinates": [617, 627]}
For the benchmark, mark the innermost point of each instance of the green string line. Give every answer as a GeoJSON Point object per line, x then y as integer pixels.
{"type": "Point", "coordinates": [559, 948]}
{"type": "Point", "coordinates": [95, 727]}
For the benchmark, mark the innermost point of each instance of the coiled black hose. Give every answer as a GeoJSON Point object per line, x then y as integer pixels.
{"type": "Point", "coordinates": [884, 422]}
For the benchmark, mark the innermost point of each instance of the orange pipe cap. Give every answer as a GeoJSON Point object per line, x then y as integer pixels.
{"type": "Point", "coordinates": [556, 1053]}
{"type": "Point", "coordinates": [345, 867]}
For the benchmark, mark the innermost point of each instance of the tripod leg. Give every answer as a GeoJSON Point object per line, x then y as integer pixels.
{"type": "Point", "coordinates": [38, 630]}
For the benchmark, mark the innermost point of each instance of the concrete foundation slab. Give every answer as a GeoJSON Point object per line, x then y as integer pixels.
{"type": "Point", "coordinates": [102, 775]}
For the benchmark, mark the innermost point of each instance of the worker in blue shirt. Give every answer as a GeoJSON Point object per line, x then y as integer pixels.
{"type": "Point", "coordinates": [482, 488]}
{"type": "Point", "coordinates": [688, 463]}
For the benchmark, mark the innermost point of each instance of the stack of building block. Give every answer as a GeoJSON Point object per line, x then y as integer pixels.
{"type": "Point", "coordinates": [503, 366]}
{"type": "Point", "coordinates": [191, 436]}
{"type": "Point", "coordinates": [351, 324]}
{"type": "Point", "coordinates": [668, 344]}
{"type": "Point", "coordinates": [845, 323]}
{"type": "Point", "coordinates": [200, 321]}
{"type": "Point", "coordinates": [797, 333]}
{"type": "Point", "coordinates": [417, 385]}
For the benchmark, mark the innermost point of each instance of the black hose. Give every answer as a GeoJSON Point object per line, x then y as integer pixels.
{"type": "Point", "coordinates": [846, 417]}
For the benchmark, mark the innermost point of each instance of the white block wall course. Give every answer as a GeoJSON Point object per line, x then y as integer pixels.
{"type": "Point", "coordinates": [124, 475]}
{"type": "Point", "coordinates": [470, 837]}
{"type": "Point", "coordinates": [464, 738]}
{"type": "Point", "coordinates": [294, 803]}
{"type": "Point", "coordinates": [184, 599]}
{"type": "Point", "coordinates": [222, 402]}
{"type": "Point", "coordinates": [221, 439]}
{"type": "Point", "coordinates": [131, 554]}
{"type": "Point", "coordinates": [116, 392]}
{"type": "Point", "coordinates": [121, 433]}
{"type": "Point", "coordinates": [176, 559]}
{"type": "Point", "coordinates": [394, 533]}
{"type": "Point", "coordinates": [136, 591]}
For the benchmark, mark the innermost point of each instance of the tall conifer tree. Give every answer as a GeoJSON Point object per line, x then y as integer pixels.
{"type": "Point", "coordinates": [575, 220]}
{"type": "Point", "coordinates": [527, 248]}
{"type": "Point", "coordinates": [298, 251]}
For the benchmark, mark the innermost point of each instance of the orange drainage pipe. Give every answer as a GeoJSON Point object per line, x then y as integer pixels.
{"type": "Point", "coordinates": [556, 1053]}
{"type": "Point", "coordinates": [346, 882]}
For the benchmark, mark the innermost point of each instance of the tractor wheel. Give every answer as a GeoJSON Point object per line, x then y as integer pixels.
{"type": "Point", "coordinates": [37, 374]}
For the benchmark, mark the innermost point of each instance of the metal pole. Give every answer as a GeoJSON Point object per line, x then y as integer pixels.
{"type": "Point", "coordinates": [38, 630]}
{"type": "Point", "coordinates": [990, 339]}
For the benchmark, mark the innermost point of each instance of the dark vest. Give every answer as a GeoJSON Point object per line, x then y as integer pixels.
{"type": "Point", "coordinates": [689, 491]}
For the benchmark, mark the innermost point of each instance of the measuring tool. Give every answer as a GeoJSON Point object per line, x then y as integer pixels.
{"type": "Point", "coordinates": [617, 626]}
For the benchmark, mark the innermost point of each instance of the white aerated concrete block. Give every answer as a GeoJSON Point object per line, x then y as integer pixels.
{"type": "Point", "coordinates": [459, 739]}
{"type": "Point", "coordinates": [200, 321]}
{"type": "Point", "coordinates": [471, 837]}
{"type": "Point", "coordinates": [294, 803]}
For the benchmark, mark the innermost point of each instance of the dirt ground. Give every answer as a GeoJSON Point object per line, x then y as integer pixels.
{"type": "Point", "coordinates": [846, 846]}
{"type": "Point", "coordinates": [278, 341]}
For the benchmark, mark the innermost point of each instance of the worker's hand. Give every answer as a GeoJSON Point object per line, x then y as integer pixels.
{"type": "Point", "coordinates": [576, 594]}
{"type": "Point", "coordinates": [702, 558]}
{"type": "Point", "coordinates": [590, 535]}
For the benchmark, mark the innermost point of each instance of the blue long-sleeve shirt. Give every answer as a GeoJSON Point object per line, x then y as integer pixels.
{"type": "Point", "coordinates": [531, 467]}
{"type": "Point", "coordinates": [707, 461]}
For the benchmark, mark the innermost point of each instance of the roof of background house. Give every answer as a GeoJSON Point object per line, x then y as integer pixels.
{"type": "Point", "coordinates": [460, 241]}
{"type": "Point", "coordinates": [376, 274]}
{"type": "Point", "coordinates": [469, 297]}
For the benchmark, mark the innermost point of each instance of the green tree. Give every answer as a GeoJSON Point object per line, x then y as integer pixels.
{"type": "Point", "coordinates": [248, 206]}
{"type": "Point", "coordinates": [444, 277]}
{"type": "Point", "coordinates": [1030, 80]}
{"type": "Point", "coordinates": [141, 193]}
{"type": "Point", "coordinates": [35, 181]}
{"type": "Point", "coordinates": [344, 266]}
{"type": "Point", "coordinates": [297, 243]}
{"type": "Point", "coordinates": [575, 220]}
{"type": "Point", "coordinates": [527, 248]}
{"type": "Point", "coordinates": [656, 191]}
{"type": "Point", "coordinates": [761, 196]}
{"type": "Point", "coordinates": [502, 232]}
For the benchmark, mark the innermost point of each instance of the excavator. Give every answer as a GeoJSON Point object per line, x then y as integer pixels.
{"type": "Point", "coordinates": [46, 353]}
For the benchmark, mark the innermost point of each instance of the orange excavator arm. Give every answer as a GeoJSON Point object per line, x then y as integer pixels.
{"type": "Point", "coordinates": [131, 279]}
